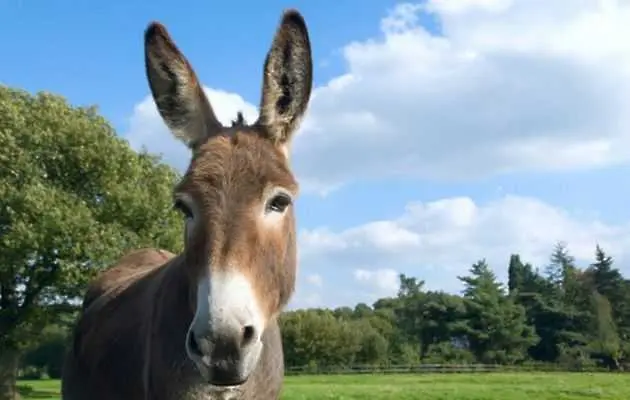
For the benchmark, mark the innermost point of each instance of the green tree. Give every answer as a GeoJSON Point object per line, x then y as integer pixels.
{"type": "Point", "coordinates": [497, 328]}
{"type": "Point", "coordinates": [543, 310]}
{"type": "Point", "coordinates": [317, 338]}
{"type": "Point", "coordinates": [407, 307]}
{"type": "Point", "coordinates": [516, 274]}
{"type": "Point", "coordinates": [560, 271]}
{"type": "Point", "coordinates": [46, 355]}
{"type": "Point", "coordinates": [609, 282]}
{"type": "Point", "coordinates": [409, 286]}
{"type": "Point", "coordinates": [566, 312]}
{"type": "Point", "coordinates": [444, 326]}
{"type": "Point", "coordinates": [73, 197]}
{"type": "Point", "coordinates": [373, 348]}
{"type": "Point", "coordinates": [605, 343]}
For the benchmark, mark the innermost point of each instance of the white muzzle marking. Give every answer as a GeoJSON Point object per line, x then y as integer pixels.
{"type": "Point", "coordinates": [227, 326]}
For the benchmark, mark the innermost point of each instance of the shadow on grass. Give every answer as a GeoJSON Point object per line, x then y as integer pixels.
{"type": "Point", "coordinates": [29, 392]}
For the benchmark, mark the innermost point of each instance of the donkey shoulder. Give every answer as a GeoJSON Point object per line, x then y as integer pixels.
{"type": "Point", "coordinates": [129, 268]}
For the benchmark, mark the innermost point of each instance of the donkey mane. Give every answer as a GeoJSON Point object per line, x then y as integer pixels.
{"type": "Point", "coordinates": [239, 122]}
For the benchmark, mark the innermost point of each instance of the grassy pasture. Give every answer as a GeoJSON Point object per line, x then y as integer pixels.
{"type": "Point", "coordinates": [468, 386]}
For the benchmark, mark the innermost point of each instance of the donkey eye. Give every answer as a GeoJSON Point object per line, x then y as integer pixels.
{"type": "Point", "coordinates": [279, 203]}
{"type": "Point", "coordinates": [183, 208]}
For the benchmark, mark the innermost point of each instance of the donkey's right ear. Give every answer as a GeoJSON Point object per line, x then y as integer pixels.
{"type": "Point", "coordinates": [177, 93]}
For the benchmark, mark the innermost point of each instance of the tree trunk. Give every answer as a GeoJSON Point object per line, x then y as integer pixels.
{"type": "Point", "coordinates": [9, 363]}
{"type": "Point", "coordinates": [616, 364]}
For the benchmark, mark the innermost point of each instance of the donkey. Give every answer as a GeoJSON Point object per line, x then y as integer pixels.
{"type": "Point", "coordinates": [203, 324]}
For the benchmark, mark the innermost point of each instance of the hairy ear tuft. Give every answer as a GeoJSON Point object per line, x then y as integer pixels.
{"type": "Point", "coordinates": [177, 92]}
{"type": "Point", "coordinates": [287, 81]}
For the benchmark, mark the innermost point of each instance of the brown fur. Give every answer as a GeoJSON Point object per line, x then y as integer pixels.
{"type": "Point", "coordinates": [128, 342]}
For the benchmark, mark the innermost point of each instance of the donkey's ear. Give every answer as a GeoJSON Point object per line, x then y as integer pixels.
{"type": "Point", "coordinates": [288, 76]}
{"type": "Point", "coordinates": [175, 88]}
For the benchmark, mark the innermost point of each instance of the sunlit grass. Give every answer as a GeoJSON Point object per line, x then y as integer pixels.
{"type": "Point", "coordinates": [483, 386]}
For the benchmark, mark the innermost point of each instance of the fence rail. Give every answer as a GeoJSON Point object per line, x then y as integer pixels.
{"type": "Point", "coordinates": [439, 368]}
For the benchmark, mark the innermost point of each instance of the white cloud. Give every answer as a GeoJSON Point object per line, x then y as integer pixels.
{"type": "Point", "coordinates": [381, 282]}
{"type": "Point", "coordinates": [508, 86]}
{"type": "Point", "coordinates": [462, 6]}
{"type": "Point", "coordinates": [436, 241]}
{"type": "Point", "coordinates": [315, 280]}
{"type": "Point", "coordinates": [309, 291]}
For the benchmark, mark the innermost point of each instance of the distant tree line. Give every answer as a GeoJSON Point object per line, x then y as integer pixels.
{"type": "Point", "coordinates": [562, 314]}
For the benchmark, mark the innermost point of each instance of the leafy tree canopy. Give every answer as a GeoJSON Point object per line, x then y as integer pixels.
{"type": "Point", "coordinates": [74, 196]}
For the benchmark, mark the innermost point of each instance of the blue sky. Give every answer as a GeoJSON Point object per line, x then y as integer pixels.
{"type": "Point", "coordinates": [92, 53]}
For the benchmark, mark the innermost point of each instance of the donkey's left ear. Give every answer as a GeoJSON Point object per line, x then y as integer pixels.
{"type": "Point", "coordinates": [287, 81]}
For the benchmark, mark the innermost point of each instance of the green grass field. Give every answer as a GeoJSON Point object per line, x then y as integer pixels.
{"type": "Point", "coordinates": [495, 386]}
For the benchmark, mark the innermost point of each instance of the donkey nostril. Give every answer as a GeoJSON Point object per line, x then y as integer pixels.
{"type": "Point", "coordinates": [248, 334]}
